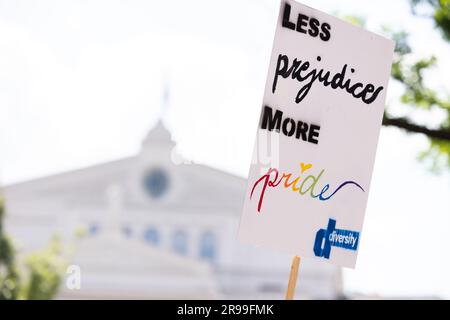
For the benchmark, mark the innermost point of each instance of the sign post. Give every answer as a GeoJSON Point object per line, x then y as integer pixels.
{"type": "Point", "coordinates": [293, 278]}
{"type": "Point", "coordinates": [316, 140]}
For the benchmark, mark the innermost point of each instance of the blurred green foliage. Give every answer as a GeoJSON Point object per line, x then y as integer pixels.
{"type": "Point", "coordinates": [411, 71]}
{"type": "Point", "coordinates": [40, 274]}
{"type": "Point", "coordinates": [439, 13]}
{"type": "Point", "coordinates": [417, 94]}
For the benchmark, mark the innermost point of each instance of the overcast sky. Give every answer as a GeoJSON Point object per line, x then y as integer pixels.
{"type": "Point", "coordinates": [81, 83]}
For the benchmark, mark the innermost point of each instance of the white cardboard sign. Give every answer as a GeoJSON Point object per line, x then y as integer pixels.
{"type": "Point", "coordinates": [316, 140]}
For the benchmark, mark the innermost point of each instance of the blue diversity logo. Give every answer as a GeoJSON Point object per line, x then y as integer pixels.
{"type": "Point", "coordinates": [341, 238]}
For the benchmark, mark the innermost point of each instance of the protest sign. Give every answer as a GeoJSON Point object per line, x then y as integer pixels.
{"type": "Point", "coordinates": [323, 102]}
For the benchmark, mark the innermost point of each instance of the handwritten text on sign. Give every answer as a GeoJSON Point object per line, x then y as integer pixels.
{"type": "Point", "coordinates": [324, 101]}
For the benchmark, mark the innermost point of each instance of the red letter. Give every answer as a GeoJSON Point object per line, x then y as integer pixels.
{"type": "Point", "coordinates": [271, 184]}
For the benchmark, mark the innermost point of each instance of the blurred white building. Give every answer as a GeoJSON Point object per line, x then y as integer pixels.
{"type": "Point", "coordinates": [156, 229]}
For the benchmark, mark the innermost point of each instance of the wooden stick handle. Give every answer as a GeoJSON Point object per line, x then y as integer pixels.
{"type": "Point", "coordinates": [293, 278]}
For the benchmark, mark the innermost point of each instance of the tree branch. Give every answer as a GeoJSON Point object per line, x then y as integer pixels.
{"type": "Point", "coordinates": [405, 124]}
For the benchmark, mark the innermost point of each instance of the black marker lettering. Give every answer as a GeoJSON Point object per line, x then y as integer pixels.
{"type": "Point", "coordinates": [302, 129]}
{"type": "Point", "coordinates": [289, 126]}
{"type": "Point", "coordinates": [313, 134]}
{"type": "Point", "coordinates": [291, 123]}
{"type": "Point", "coordinates": [325, 34]}
{"type": "Point", "coordinates": [282, 71]}
{"type": "Point", "coordinates": [302, 21]}
{"type": "Point", "coordinates": [313, 27]}
{"type": "Point", "coordinates": [286, 17]}
{"type": "Point", "coordinates": [304, 24]}
{"type": "Point", "coordinates": [269, 121]}
{"type": "Point", "coordinates": [297, 69]}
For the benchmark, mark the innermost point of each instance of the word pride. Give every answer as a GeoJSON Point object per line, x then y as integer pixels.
{"type": "Point", "coordinates": [325, 239]}
{"type": "Point", "coordinates": [306, 186]}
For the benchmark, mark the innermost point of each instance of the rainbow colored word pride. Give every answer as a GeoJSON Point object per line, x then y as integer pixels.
{"type": "Point", "coordinates": [308, 185]}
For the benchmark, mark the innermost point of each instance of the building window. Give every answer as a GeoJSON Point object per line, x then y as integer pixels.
{"type": "Point", "coordinates": [156, 182]}
{"type": "Point", "coordinates": [94, 228]}
{"type": "Point", "coordinates": [208, 246]}
{"type": "Point", "coordinates": [151, 236]}
{"type": "Point", "coordinates": [179, 242]}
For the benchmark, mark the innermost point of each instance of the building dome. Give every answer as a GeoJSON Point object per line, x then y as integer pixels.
{"type": "Point", "coordinates": [158, 135]}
